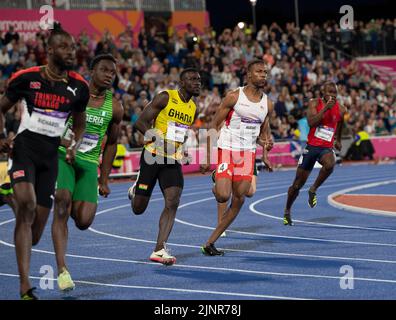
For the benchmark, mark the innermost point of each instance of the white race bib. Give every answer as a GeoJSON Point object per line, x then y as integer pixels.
{"type": "Point", "coordinates": [250, 129]}
{"type": "Point", "coordinates": [48, 122]}
{"type": "Point", "coordinates": [88, 143]}
{"type": "Point", "coordinates": [176, 131]}
{"type": "Point", "coordinates": [324, 133]}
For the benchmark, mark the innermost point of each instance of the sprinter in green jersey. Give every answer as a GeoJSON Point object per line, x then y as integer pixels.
{"type": "Point", "coordinates": [77, 184]}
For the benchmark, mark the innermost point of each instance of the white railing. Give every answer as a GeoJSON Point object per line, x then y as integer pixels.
{"type": "Point", "coordinates": [145, 5]}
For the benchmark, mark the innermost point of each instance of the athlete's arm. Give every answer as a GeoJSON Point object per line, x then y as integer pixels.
{"type": "Point", "coordinates": [340, 124]}
{"type": "Point", "coordinates": [16, 86]}
{"type": "Point", "coordinates": [220, 116]}
{"type": "Point", "coordinates": [110, 149]}
{"type": "Point", "coordinates": [224, 108]}
{"type": "Point", "coordinates": [5, 105]}
{"type": "Point", "coordinates": [313, 116]}
{"type": "Point", "coordinates": [265, 137]}
{"type": "Point", "coordinates": [79, 122]}
{"type": "Point", "coordinates": [150, 112]}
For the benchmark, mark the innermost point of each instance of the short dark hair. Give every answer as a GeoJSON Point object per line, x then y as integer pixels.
{"type": "Point", "coordinates": [254, 62]}
{"type": "Point", "coordinates": [57, 31]}
{"type": "Point", "coordinates": [99, 57]}
{"type": "Point", "coordinates": [328, 83]}
{"type": "Point", "coordinates": [187, 70]}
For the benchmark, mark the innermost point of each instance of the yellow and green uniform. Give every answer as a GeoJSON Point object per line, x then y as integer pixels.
{"type": "Point", "coordinates": [81, 178]}
{"type": "Point", "coordinates": [362, 136]}
{"type": "Point", "coordinates": [120, 156]}
{"type": "Point", "coordinates": [172, 124]}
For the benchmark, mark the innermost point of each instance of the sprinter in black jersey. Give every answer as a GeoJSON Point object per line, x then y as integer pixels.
{"type": "Point", "coordinates": [50, 94]}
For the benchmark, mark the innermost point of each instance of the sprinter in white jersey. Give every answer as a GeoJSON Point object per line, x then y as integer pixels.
{"type": "Point", "coordinates": [245, 113]}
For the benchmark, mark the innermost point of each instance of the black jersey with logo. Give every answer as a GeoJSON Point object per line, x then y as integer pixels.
{"type": "Point", "coordinates": [47, 105]}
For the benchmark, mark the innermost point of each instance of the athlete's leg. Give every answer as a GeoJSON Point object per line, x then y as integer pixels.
{"type": "Point", "coordinates": [172, 199]}
{"type": "Point", "coordinates": [293, 191]}
{"type": "Point", "coordinates": [25, 213]}
{"type": "Point", "coordinates": [39, 223]}
{"type": "Point", "coordinates": [328, 162]}
{"type": "Point", "coordinates": [305, 166]}
{"type": "Point", "coordinates": [139, 204]}
{"type": "Point", "coordinates": [253, 186]}
{"type": "Point", "coordinates": [221, 209]}
{"type": "Point", "coordinates": [60, 230]}
{"type": "Point", "coordinates": [141, 191]}
{"type": "Point", "coordinates": [83, 213]}
{"type": "Point", "coordinates": [65, 185]}
{"type": "Point", "coordinates": [223, 189]}
{"type": "Point", "coordinates": [239, 190]}
{"type": "Point", "coordinates": [85, 195]}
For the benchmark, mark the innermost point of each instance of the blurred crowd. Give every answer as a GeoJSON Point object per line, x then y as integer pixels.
{"type": "Point", "coordinates": [299, 60]}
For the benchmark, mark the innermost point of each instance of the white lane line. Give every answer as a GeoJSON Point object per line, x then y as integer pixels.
{"type": "Point", "coordinates": [272, 253]}
{"type": "Point", "coordinates": [260, 182]}
{"type": "Point", "coordinates": [254, 210]}
{"type": "Point", "coordinates": [222, 293]}
{"type": "Point", "coordinates": [257, 272]}
{"type": "Point", "coordinates": [338, 205]}
{"type": "Point", "coordinates": [7, 221]}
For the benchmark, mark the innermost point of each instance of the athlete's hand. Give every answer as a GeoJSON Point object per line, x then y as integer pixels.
{"type": "Point", "coordinates": [269, 144]}
{"type": "Point", "coordinates": [268, 165]}
{"type": "Point", "coordinates": [6, 145]}
{"type": "Point", "coordinates": [330, 102]}
{"type": "Point", "coordinates": [70, 155]}
{"type": "Point", "coordinates": [204, 168]}
{"type": "Point", "coordinates": [104, 189]}
{"type": "Point", "coordinates": [187, 159]}
{"type": "Point", "coordinates": [338, 145]}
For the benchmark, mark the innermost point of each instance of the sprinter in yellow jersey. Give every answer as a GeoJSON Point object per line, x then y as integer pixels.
{"type": "Point", "coordinates": [165, 123]}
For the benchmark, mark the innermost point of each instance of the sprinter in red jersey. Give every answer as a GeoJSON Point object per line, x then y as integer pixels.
{"type": "Point", "coordinates": [325, 118]}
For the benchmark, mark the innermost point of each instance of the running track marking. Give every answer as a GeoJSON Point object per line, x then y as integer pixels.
{"type": "Point", "coordinates": [170, 289]}
{"type": "Point", "coordinates": [338, 205]}
{"type": "Point", "coordinates": [107, 200]}
{"type": "Point", "coordinates": [363, 279]}
{"type": "Point", "coordinates": [253, 205]}
{"type": "Point", "coordinates": [301, 275]}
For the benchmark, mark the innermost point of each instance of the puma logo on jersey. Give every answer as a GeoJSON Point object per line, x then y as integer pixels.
{"type": "Point", "coordinates": [72, 90]}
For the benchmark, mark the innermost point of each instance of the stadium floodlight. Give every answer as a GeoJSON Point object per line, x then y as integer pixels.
{"type": "Point", "coordinates": [253, 3]}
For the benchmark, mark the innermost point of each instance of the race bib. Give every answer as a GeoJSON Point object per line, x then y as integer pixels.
{"type": "Point", "coordinates": [88, 143]}
{"type": "Point", "coordinates": [250, 129]}
{"type": "Point", "coordinates": [176, 131]}
{"type": "Point", "coordinates": [47, 122]}
{"type": "Point", "coordinates": [324, 133]}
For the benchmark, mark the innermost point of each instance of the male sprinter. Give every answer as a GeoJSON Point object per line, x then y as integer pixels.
{"type": "Point", "coordinates": [50, 94]}
{"type": "Point", "coordinates": [245, 112]}
{"type": "Point", "coordinates": [77, 183]}
{"type": "Point", "coordinates": [222, 206]}
{"type": "Point", "coordinates": [172, 112]}
{"type": "Point", "coordinates": [325, 117]}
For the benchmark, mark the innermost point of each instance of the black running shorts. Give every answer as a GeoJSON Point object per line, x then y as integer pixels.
{"type": "Point", "coordinates": [35, 162]}
{"type": "Point", "coordinates": [310, 155]}
{"type": "Point", "coordinates": [169, 174]}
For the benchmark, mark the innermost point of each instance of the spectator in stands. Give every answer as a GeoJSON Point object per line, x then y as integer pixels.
{"type": "Point", "coordinates": [361, 148]}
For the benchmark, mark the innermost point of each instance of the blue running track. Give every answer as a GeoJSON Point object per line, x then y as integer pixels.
{"type": "Point", "coordinates": [263, 260]}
